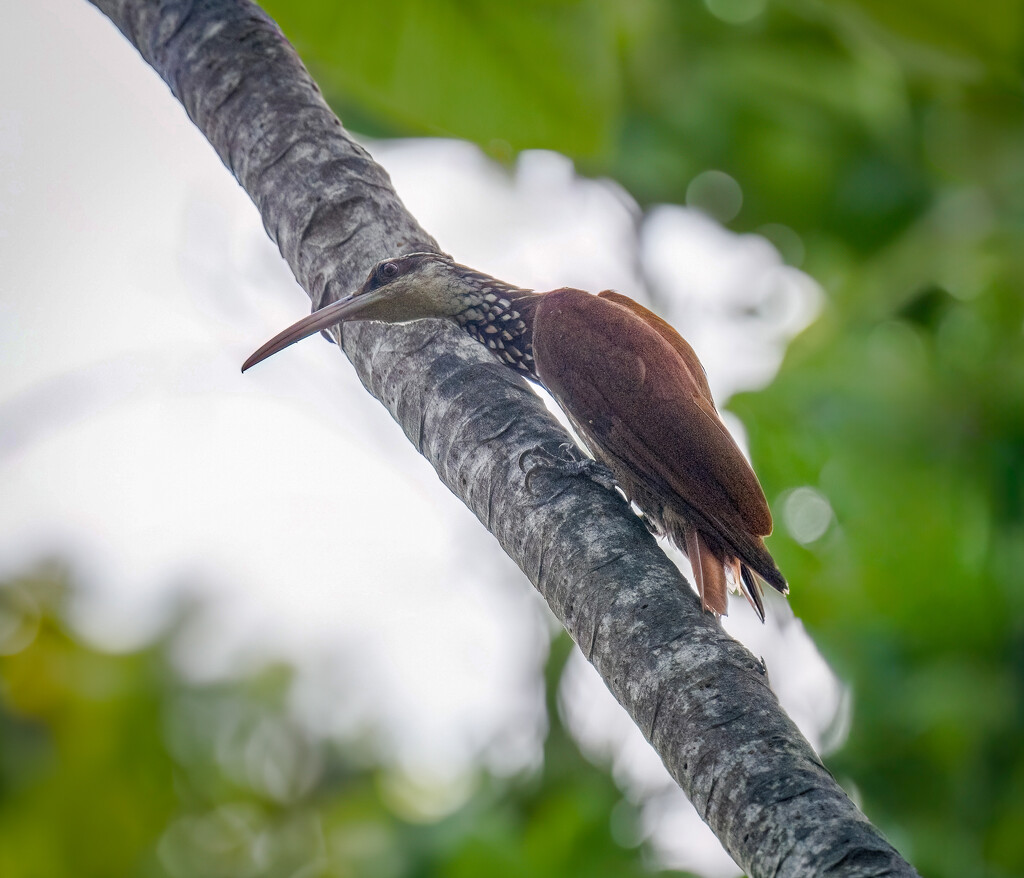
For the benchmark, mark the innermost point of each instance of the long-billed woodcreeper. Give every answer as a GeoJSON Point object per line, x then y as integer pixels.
{"type": "Point", "coordinates": [630, 385]}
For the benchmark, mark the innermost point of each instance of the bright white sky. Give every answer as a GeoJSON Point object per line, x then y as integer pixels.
{"type": "Point", "coordinates": [136, 278]}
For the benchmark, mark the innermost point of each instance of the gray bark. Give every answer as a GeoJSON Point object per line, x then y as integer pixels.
{"type": "Point", "coordinates": [702, 699]}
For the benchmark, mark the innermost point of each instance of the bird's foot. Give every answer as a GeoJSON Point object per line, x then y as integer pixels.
{"type": "Point", "coordinates": [564, 463]}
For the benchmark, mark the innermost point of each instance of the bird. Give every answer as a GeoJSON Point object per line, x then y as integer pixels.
{"type": "Point", "coordinates": [631, 387]}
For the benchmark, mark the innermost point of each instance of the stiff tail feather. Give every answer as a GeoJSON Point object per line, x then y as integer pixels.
{"type": "Point", "coordinates": [751, 589]}
{"type": "Point", "coordinates": [708, 572]}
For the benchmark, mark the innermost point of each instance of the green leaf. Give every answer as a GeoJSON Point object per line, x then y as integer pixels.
{"type": "Point", "coordinates": [510, 76]}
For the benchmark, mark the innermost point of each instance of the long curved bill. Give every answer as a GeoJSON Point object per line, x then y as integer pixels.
{"type": "Point", "coordinates": [337, 312]}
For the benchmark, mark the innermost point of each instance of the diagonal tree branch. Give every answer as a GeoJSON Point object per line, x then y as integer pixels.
{"type": "Point", "coordinates": [701, 698]}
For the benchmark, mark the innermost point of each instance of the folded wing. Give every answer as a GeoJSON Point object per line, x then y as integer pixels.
{"type": "Point", "coordinates": [638, 394]}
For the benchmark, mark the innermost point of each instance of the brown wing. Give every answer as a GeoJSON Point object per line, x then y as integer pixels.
{"type": "Point", "coordinates": [668, 333]}
{"type": "Point", "coordinates": [626, 382]}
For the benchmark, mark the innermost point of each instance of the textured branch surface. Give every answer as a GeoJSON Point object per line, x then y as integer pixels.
{"type": "Point", "coordinates": [701, 698]}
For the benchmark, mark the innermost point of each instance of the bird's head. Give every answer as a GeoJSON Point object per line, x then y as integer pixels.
{"type": "Point", "coordinates": [397, 290]}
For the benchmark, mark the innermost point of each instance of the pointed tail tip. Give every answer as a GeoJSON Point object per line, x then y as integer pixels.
{"type": "Point", "coordinates": [775, 579]}
{"type": "Point", "coordinates": [752, 590]}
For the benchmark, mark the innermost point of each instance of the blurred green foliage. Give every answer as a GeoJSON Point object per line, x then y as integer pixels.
{"type": "Point", "coordinates": [116, 765]}
{"type": "Point", "coordinates": [890, 138]}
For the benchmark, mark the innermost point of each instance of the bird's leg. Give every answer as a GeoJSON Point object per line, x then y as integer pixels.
{"type": "Point", "coordinates": [568, 465]}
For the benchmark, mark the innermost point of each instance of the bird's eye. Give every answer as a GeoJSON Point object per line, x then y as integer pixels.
{"type": "Point", "coordinates": [389, 270]}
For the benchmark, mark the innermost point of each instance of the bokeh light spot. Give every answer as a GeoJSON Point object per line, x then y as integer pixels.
{"type": "Point", "coordinates": [716, 194]}
{"type": "Point", "coordinates": [807, 514]}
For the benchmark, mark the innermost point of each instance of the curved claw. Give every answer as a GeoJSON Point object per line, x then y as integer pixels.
{"type": "Point", "coordinates": [530, 470]}
{"type": "Point", "coordinates": [569, 466]}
